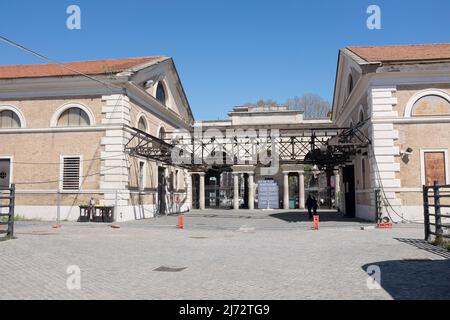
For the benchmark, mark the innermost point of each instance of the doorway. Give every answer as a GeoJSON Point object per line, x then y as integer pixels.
{"type": "Point", "coordinates": [195, 191]}
{"type": "Point", "coordinates": [5, 173]}
{"type": "Point", "coordinates": [162, 185]}
{"type": "Point", "coordinates": [349, 185]}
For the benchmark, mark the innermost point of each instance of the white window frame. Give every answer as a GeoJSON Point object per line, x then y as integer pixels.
{"type": "Point", "coordinates": [57, 114]}
{"type": "Point", "coordinates": [428, 92]}
{"type": "Point", "coordinates": [61, 172]}
{"type": "Point", "coordinates": [140, 116]}
{"type": "Point", "coordinates": [422, 163]}
{"type": "Point", "coordinates": [11, 167]}
{"type": "Point", "coordinates": [23, 123]}
{"type": "Point", "coordinates": [166, 92]}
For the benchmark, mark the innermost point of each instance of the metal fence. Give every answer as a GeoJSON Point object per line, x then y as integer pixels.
{"type": "Point", "coordinates": [7, 202]}
{"type": "Point", "coordinates": [436, 208]}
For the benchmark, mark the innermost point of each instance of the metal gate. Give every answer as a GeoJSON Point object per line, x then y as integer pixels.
{"type": "Point", "coordinates": [7, 202]}
{"type": "Point", "coordinates": [436, 208]}
{"type": "Point", "coordinates": [218, 197]}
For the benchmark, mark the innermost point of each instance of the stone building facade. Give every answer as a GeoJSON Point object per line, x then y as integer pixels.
{"type": "Point", "coordinates": [404, 93]}
{"type": "Point", "coordinates": [63, 133]}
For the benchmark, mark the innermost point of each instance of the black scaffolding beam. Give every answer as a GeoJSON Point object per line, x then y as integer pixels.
{"type": "Point", "coordinates": [324, 147]}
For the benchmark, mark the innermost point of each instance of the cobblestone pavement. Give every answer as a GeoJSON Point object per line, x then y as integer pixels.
{"type": "Point", "coordinates": [226, 255]}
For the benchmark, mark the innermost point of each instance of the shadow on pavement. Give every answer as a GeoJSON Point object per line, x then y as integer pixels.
{"type": "Point", "coordinates": [415, 279]}
{"type": "Point", "coordinates": [303, 217]}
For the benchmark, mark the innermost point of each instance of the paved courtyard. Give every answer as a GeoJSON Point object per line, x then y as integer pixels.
{"type": "Point", "coordinates": [222, 255]}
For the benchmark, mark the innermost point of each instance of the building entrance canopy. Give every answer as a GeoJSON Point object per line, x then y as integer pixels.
{"type": "Point", "coordinates": [204, 148]}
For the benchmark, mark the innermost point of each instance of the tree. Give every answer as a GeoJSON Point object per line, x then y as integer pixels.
{"type": "Point", "coordinates": [313, 106]}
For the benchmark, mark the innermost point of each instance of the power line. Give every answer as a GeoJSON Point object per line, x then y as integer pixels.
{"type": "Point", "coordinates": [60, 162]}
{"type": "Point", "coordinates": [41, 56]}
{"type": "Point", "coordinates": [60, 180]}
{"type": "Point", "coordinates": [385, 198]}
{"type": "Point", "coordinates": [106, 84]}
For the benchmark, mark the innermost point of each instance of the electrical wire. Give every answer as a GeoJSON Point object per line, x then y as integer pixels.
{"type": "Point", "coordinates": [41, 56]}
{"type": "Point", "coordinates": [59, 163]}
{"type": "Point", "coordinates": [61, 180]}
{"type": "Point", "coordinates": [108, 85]}
{"type": "Point", "coordinates": [385, 199]}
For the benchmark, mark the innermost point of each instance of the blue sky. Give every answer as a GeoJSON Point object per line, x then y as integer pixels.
{"type": "Point", "coordinates": [227, 52]}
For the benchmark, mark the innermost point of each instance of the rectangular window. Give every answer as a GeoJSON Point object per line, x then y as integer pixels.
{"type": "Point", "coordinates": [175, 182]}
{"type": "Point", "coordinates": [141, 175]}
{"type": "Point", "coordinates": [363, 173]}
{"type": "Point", "coordinates": [71, 175]}
{"type": "Point", "coordinates": [434, 163]}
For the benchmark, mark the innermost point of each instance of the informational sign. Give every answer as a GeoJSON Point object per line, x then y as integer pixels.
{"type": "Point", "coordinates": [268, 195]}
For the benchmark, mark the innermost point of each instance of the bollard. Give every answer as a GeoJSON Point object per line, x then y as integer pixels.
{"type": "Point", "coordinates": [316, 222]}
{"type": "Point", "coordinates": [180, 222]}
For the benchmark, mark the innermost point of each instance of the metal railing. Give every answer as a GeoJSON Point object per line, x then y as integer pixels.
{"type": "Point", "coordinates": [433, 198]}
{"type": "Point", "coordinates": [378, 206]}
{"type": "Point", "coordinates": [7, 201]}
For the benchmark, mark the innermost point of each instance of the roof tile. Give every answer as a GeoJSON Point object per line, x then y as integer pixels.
{"type": "Point", "coordinates": [69, 68]}
{"type": "Point", "coordinates": [403, 52]}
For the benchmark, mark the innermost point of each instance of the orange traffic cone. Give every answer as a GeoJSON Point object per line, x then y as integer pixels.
{"type": "Point", "coordinates": [180, 221]}
{"type": "Point", "coordinates": [316, 222]}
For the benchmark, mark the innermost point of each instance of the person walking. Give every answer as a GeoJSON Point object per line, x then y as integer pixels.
{"type": "Point", "coordinates": [315, 206]}
{"type": "Point", "coordinates": [310, 206]}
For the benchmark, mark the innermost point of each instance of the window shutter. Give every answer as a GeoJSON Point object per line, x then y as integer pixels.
{"type": "Point", "coordinates": [71, 173]}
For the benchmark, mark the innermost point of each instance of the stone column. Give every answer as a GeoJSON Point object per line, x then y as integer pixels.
{"type": "Point", "coordinates": [337, 188]}
{"type": "Point", "coordinates": [301, 190]}
{"type": "Point", "coordinates": [251, 192]}
{"type": "Point", "coordinates": [286, 190]}
{"type": "Point", "coordinates": [235, 191]}
{"type": "Point", "coordinates": [202, 191]}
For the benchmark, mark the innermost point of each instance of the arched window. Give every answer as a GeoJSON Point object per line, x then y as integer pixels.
{"type": "Point", "coordinates": [350, 85]}
{"type": "Point", "coordinates": [431, 105]}
{"type": "Point", "coordinates": [9, 120]}
{"type": "Point", "coordinates": [161, 93]}
{"type": "Point", "coordinates": [429, 102]}
{"type": "Point", "coordinates": [73, 117]}
{"type": "Point", "coordinates": [162, 133]}
{"type": "Point", "coordinates": [142, 124]}
{"type": "Point", "coordinates": [361, 116]}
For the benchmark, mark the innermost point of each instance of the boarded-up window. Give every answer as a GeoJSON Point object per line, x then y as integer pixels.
{"type": "Point", "coordinates": [434, 168]}
{"type": "Point", "coordinates": [431, 106]}
{"type": "Point", "coordinates": [71, 173]}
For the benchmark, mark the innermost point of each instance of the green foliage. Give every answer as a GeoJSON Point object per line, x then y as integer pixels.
{"type": "Point", "coordinates": [6, 238]}
{"type": "Point", "coordinates": [442, 242]}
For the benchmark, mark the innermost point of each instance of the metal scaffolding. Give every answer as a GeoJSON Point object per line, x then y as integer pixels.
{"type": "Point", "coordinates": [323, 147]}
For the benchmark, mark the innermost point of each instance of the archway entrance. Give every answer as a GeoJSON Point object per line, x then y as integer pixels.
{"type": "Point", "coordinates": [162, 185]}
{"type": "Point", "coordinates": [218, 189]}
